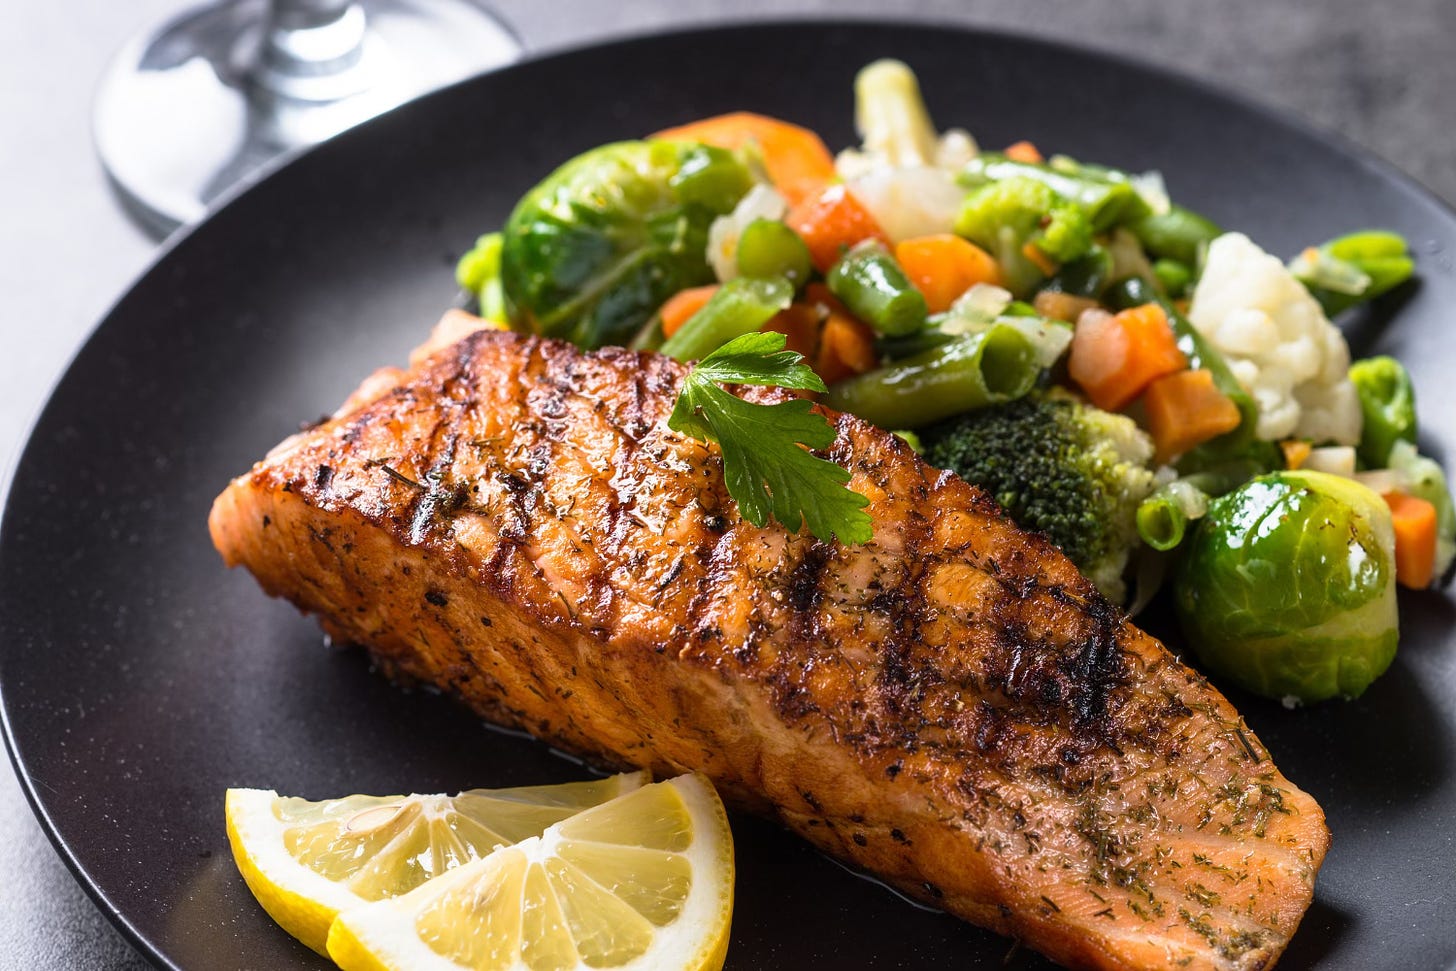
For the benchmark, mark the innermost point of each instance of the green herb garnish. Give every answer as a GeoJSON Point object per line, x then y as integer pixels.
{"type": "Point", "coordinates": [764, 466]}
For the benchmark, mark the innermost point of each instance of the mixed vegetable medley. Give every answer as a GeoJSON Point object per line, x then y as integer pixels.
{"type": "Point", "coordinates": [1165, 401]}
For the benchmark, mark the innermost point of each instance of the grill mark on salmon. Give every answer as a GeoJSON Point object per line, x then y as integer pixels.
{"type": "Point", "coordinates": [950, 706]}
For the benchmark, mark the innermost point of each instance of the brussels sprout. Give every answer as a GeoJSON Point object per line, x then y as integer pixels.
{"type": "Point", "coordinates": [1288, 586]}
{"type": "Point", "coordinates": [592, 252]}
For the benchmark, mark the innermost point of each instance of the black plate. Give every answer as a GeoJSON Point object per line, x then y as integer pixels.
{"type": "Point", "coordinates": [140, 678]}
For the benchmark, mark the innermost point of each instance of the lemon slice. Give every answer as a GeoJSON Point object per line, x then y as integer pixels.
{"type": "Point", "coordinates": [642, 882]}
{"type": "Point", "coordinates": [308, 861]}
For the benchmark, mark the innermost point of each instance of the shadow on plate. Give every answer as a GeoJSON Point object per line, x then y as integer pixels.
{"type": "Point", "coordinates": [1318, 937]}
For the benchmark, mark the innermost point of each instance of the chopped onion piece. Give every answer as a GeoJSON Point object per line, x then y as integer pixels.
{"type": "Point", "coordinates": [1334, 459]}
{"type": "Point", "coordinates": [1383, 481]}
{"type": "Point", "coordinates": [1315, 267]}
{"type": "Point", "coordinates": [1191, 500]}
{"type": "Point", "coordinates": [910, 202]}
{"type": "Point", "coordinates": [981, 304]}
{"type": "Point", "coordinates": [1153, 190]}
{"type": "Point", "coordinates": [1049, 340]}
{"type": "Point", "coordinates": [1128, 256]}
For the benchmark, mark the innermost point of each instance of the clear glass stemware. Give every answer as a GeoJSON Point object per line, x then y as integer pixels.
{"type": "Point", "coordinates": [221, 92]}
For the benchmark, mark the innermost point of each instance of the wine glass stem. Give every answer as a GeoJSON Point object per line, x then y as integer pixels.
{"type": "Point", "coordinates": [303, 14]}
{"type": "Point", "coordinates": [312, 50]}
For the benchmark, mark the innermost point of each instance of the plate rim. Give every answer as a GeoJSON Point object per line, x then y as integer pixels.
{"type": "Point", "coordinates": [1331, 139]}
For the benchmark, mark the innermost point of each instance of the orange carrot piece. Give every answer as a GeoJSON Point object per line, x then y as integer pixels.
{"type": "Point", "coordinates": [1184, 409]}
{"type": "Point", "coordinates": [846, 343]}
{"type": "Point", "coordinates": [799, 323]}
{"type": "Point", "coordinates": [831, 222]}
{"type": "Point", "coordinates": [797, 160]}
{"type": "Point", "coordinates": [1024, 151]}
{"type": "Point", "coordinates": [944, 266]}
{"type": "Point", "coordinates": [1114, 359]}
{"type": "Point", "coordinates": [846, 348]}
{"type": "Point", "coordinates": [1055, 305]}
{"type": "Point", "coordinates": [1296, 452]}
{"type": "Point", "coordinates": [682, 305]}
{"type": "Point", "coordinates": [1414, 519]}
{"type": "Point", "coordinates": [1043, 262]}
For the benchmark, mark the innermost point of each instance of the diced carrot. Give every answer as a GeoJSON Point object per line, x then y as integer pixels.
{"type": "Point", "coordinates": [1414, 519]}
{"type": "Point", "coordinates": [799, 322]}
{"type": "Point", "coordinates": [1024, 151]}
{"type": "Point", "coordinates": [1296, 451]}
{"type": "Point", "coordinates": [1114, 359]}
{"type": "Point", "coordinates": [846, 343]}
{"type": "Point", "coordinates": [846, 348]}
{"type": "Point", "coordinates": [1184, 409]}
{"type": "Point", "coordinates": [682, 305]}
{"type": "Point", "coordinates": [831, 222]}
{"type": "Point", "coordinates": [797, 161]}
{"type": "Point", "coordinates": [944, 266]}
{"type": "Point", "coordinates": [1043, 262]}
{"type": "Point", "coordinates": [1056, 305]}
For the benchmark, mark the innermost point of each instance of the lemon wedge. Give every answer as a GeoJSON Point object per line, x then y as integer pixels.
{"type": "Point", "coordinates": [642, 882]}
{"type": "Point", "coordinates": [308, 861]}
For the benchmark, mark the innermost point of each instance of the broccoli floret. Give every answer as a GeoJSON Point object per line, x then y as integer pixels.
{"type": "Point", "coordinates": [1003, 216]}
{"type": "Point", "coordinates": [1058, 466]}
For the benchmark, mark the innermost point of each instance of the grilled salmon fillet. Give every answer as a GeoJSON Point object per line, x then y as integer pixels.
{"type": "Point", "coordinates": [951, 706]}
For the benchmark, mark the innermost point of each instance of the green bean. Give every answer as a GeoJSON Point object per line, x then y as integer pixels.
{"type": "Point", "coordinates": [1086, 277]}
{"type": "Point", "coordinates": [1161, 524]}
{"type": "Point", "coordinates": [738, 307]}
{"type": "Point", "coordinates": [1105, 195]}
{"type": "Point", "coordinates": [876, 290]}
{"type": "Point", "coordinates": [911, 439]}
{"type": "Point", "coordinates": [928, 337]}
{"type": "Point", "coordinates": [1173, 275]}
{"type": "Point", "coordinates": [1368, 244]}
{"type": "Point", "coordinates": [993, 366]}
{"type": "Point", "coordinates": [1388, 404]}
{"type": "Point", "coordinates": [1163, 517]}
{"type": "Point", "coordinates": [767, 248]}
{"type": "Point", "coordinates": [1379, 258]}
{"type": "Point", "coordinates": [1178, 234]}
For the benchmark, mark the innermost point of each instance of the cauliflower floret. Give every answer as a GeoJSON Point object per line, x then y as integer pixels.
{"type": "Point", "coordinates": [1278, 343]}
{"type": "Point", "coordinates": [909, 202]}
{"type": "Point", "coordinates": [904, 173]}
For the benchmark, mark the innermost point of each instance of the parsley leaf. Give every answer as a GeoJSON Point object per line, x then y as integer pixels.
{"type": "Point", "coordinates": [764, 467]}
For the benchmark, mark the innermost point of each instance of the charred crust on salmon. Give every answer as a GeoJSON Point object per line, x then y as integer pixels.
{"type": "Point", "coordinates": [950, 706]}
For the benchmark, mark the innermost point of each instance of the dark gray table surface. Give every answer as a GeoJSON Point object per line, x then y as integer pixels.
{"type": "Point", "coordinates": [1383, 74]}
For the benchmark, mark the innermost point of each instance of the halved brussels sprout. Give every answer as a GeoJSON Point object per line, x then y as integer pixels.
{"type": "Point", "coordinates": [592, 252]}
{"type": "Point", "coordinates": [1288, 587]}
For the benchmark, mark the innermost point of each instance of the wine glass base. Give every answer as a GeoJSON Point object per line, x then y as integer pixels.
{"type": "Point", "coordinates": [186, 113]}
